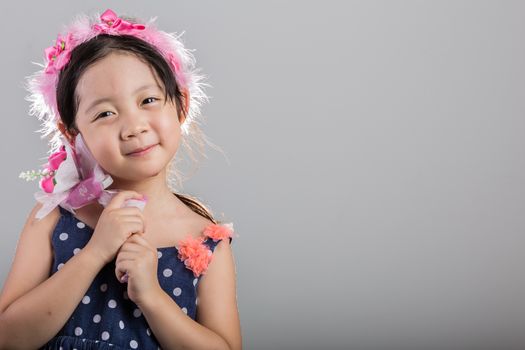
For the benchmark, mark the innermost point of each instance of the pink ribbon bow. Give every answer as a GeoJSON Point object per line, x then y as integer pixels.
{"type": "Point", "coordinates": [76, 182]}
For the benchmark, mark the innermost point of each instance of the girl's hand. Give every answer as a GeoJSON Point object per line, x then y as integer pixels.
{"type": "Point", "coordinates": [137, 264]}
{"type": "Point", "coordinates": [115, 225]}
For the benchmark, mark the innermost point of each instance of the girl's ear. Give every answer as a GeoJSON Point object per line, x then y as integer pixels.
{"type": "Point", "coordinates": [69, 136]}
{"type": "Point", "coordinates": [186, 104]}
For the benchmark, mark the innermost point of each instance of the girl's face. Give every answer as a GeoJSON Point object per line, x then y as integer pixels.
{"type": "Point", "coordinates": [122, 109]}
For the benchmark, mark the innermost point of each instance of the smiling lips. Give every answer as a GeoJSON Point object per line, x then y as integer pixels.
{"type": "Point", "coordinates": [142, 150]}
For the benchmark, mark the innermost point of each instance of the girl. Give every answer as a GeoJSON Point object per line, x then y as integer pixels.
{"type": "Point", "coordinates": [95, 268]}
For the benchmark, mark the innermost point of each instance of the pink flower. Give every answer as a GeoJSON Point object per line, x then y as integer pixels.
{"type": "Point", "coordinates": [195, 254]}
{"type": "Point", "coordinates": [217, 232]}
{"type": "Point", "coordinates": [57, 158]}
{"type": "Point", "coordinates": [58, 56]}
{"type": "Point", "coordinates": [112, 24]}
{"type": "Point", "coordinates": [47, 184]}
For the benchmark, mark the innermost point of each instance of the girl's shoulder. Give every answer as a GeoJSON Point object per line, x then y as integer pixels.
{"type": "Point", "coordinates": [206, 233]}
{"type": "Point", "coordinates": [47, 223]}
{"type": "Point", "coordinates": [39, 230]}
{"type": "Point", "coordinates": [196, 249]}
{"type": "Point", "coordinates": [208, 230]}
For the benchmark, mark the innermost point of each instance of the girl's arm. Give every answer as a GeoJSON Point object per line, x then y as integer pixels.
{"type": "Point", "coordinates": [34, 306]}
{"type": "Point", "coordinates": [218, 325]}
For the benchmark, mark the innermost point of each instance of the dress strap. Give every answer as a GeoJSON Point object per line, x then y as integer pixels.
{"type": "Point", "coordinates": [197, 253]}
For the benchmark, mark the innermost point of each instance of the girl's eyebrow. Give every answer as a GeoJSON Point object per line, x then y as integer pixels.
{"type": "Point", "coordinates": [109, 99]}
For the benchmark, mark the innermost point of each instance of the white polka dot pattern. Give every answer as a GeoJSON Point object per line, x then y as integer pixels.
{"type": "Point", "coordinates": [106, 303]}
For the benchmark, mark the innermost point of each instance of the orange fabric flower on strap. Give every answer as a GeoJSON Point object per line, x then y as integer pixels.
{"type": "Point", "coordinates": [195, 254]}
{"type": "Point", "coordinates": [219, 231]}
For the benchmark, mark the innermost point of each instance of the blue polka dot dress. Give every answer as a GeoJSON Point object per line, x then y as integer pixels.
{"type": "Point", "coordinates": [106, 318]}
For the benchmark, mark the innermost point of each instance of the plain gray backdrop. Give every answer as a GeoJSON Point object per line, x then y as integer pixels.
{"type": "Point", "coordinates": [375, 162]}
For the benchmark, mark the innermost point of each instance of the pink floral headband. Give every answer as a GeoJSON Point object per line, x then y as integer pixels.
{"type": "Point", "coordinates": [72, 178]}
{"type": "Point", "coordinates": [42, 85]}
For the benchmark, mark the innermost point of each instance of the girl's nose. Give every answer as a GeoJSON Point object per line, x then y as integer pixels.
{"type": "Point", "coordinates": [133, 126]}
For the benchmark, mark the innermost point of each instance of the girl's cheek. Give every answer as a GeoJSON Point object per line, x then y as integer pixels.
{"type": "Point", "coordinates": [165, 123]}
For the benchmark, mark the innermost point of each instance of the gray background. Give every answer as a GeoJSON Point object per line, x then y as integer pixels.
{"type": "Point", "coordinates": [376, 162]}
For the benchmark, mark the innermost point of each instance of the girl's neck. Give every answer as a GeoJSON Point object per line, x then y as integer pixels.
{"type": "Point", "coordinates": [161, 201]}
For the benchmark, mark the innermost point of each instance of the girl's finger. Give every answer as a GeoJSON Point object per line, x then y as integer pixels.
{"type": "Point", "coordinates": [131, 211]}
{"type": "Point", "coordinates": [125, 256]}
{"type": "Point", "coordinates": [136, 223]}
{"type": "Point", "coordinates": [118, 200]}
{"type": "Point", "coordinates": [139, 239]}
{"type": "Point", "coordinates": [122, 268]}
{"type": "Point", "coordinates": [131, 247]}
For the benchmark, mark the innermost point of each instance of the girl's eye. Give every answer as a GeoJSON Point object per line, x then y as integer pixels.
{"type": "Point", "coordinates": [103, 114]}
{"type": "Point", "coordinates": [152, 99]}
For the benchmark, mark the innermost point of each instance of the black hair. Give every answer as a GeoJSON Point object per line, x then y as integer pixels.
{"type": "Point", "coordinates": [90, 52]}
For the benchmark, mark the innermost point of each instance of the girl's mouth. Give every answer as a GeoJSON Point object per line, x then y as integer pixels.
{"type": "Point", "coordinates": [142, 152]}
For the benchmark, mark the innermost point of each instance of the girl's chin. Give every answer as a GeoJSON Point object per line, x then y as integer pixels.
{"type": "Point", "coordinates": [136, 173]}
